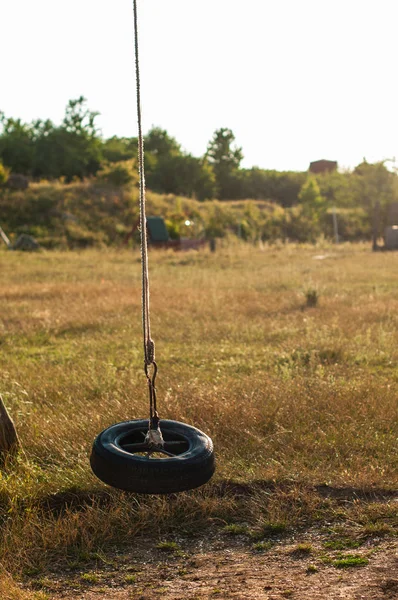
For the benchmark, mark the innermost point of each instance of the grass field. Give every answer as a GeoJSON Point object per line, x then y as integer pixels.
{"type": "Point", "coordinates": [300, 400]}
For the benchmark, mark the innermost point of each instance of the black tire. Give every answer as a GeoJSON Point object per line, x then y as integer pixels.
{"type": "Point", "coordinates": [192, 465]}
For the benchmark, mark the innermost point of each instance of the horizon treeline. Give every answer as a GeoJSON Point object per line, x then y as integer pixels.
{"type": "Point", "coordinates": [75, 150]}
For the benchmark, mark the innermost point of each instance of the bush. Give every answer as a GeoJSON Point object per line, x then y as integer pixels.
{"type": "Point", "coordinates": [118, 174]}
{"type": "Point", "coordinates": [80, 237]}
{"type": "Point", "coordinates": [4, 173]}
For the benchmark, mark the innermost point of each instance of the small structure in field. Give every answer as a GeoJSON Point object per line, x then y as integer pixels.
{"type": "Point", "coordinates": [323, 166]}
{"type": "Point", "coordinates": [24, 242]}
{"type": "Point", "coordinates": [391, 237]}
{"type": "Point", "coordinates": [391, 231]}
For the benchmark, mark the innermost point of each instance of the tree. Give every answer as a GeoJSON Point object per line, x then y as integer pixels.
{"type": "Point", "coordinates": [337, 188]}
{"type": "Point", "coordinates": [374, 183]}
{"type": "Point", "coordinates": [194, 177]}
{"type": "Point", "coordinates": [375, 188]}
{"type": "Point", "coordinates": [225, 160]}
{"type": "Point", "coordinates": [41, 149]}
{"type": "Point", "coordinates": [79, 119]}
{"type": "Point", "coordinates": [310, 196]}
{"type": "Point", "coordinates": [117, 149]}
{"type": "Point", "coordinates": [282, 187]}
{"type": "Point", "coordinates": [313, 205]}
{"type": "Point", "coordinates": [16, 145]}
{"type": "Point", "coordinates": [170, 170]}
{"type": "Point", "coordinates": [70, 150]}
{"type": "Point", "coordinates": [159, 143]}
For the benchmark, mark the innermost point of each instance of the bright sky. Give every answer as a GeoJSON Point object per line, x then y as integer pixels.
{"type": "Point", "coordinates": [296, 80]}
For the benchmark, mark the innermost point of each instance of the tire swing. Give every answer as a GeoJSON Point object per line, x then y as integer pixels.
{"type": "Point", "coordinates": [151, 456]}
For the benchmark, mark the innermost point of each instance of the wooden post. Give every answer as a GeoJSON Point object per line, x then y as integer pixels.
{"type": "Point", "coordinates": [9, 441]}
{"type": "Point", "coordinates": [5, 238]}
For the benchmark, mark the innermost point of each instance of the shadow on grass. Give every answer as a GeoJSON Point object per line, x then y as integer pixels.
{"type": "Point", "coordinates": [350, 494]}
{"type": "Point", "coordinates": [75, 499]}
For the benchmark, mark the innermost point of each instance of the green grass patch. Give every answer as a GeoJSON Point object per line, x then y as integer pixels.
{"type": "Point", "coordinates": [90, 577]}
{"type": "Point", "coordinates": [302, 550]}
{"type": "Point", "coordinates": [311, 569]}
{"type": "Point", "coordinates": [234, 529]}
{"type": "Point", "coordinates": [169, 547]}
{"type": "Point", "coordinates": [349, 561]}
{"type": "Point", "coordinates": [262, 546]}
{"type": "Point", "coordinates": [342, 544]}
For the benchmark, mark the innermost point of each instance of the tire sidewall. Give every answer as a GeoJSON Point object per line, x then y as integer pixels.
{"type": "Point", "coordinates": [106, 445]}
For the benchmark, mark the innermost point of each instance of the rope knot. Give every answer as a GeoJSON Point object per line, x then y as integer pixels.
{"type": "Point", "coordinates": [150, 352]}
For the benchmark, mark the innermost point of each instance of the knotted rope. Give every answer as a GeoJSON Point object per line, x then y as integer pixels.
{"type": "Point", "coordinates": [149, 345]}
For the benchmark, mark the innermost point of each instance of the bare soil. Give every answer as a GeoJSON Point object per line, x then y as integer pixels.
{"type": "Point", "coordinates": [230, 568]}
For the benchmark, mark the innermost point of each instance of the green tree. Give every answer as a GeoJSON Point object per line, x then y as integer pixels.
{"type": "Point", "coordinates": [161, 161]}
{"type": "Point", "coordinates": [225, 160]}
{"type": "Point", "coordinates": [282, 187]}
{"type": "Point", "coordinates": [159, 143]}
{"type": "Point", "coordinates": [170, 170]}
{"type": "Point", "coordinates": [374, 183]}
{"type": "Point", "coordinates": [71, 150]}
{"type": "Point", "coordinates": [310, 196]}
{"type": "Point", "coordinates": [194, 177]}
{"type": "Point", "coordinates": [117, 149]}
{"type": "Point", "coordinates": [337, 188]}
{"type": "Point", "coordinates": [16, 145]}
{"type": "Point", "coordinates": [312, 205]}
{"type": "Point", "coordinates": [79, 120]}
{"type": "Point", "coordinates": [375, 189]}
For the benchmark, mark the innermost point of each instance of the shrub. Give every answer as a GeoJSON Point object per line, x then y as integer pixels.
{"type": "Point", "coordinates": [118, 174]}
{"type": "Point", "coordinates": [4, 173]}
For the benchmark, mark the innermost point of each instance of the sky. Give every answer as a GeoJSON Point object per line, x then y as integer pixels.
{"type": "Point", "coordinates": [295, 80]}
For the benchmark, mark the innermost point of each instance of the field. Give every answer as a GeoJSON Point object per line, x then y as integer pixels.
{"type": "Point", "coordinates": [285, 355]}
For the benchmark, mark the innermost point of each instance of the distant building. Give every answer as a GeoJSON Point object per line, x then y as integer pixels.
{"type": "Point", "coordinates": [323, 166]}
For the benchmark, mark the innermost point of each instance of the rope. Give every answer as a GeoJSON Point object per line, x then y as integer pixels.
{"type": "Point", "coordinates": [149, 346]}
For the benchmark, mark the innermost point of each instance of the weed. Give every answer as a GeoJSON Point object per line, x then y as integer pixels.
{"type": "Point", "coordinates": [234, 529]}
{"type": "Point", "coordinates": [378, 530]}
{"type": "Point", "coordinates": [130, 579]}
{"type": "Point", "coordinates": [168, 547]}
{"type": "Point", "coordinates": [42, 582]}
{"type": "Point", "coordinates": [90, 577]}
{"type": "Point", "coordinates": [262, 546]}
{"type": "Point", "coordinates": [342, 544]}
{"type": "Point", "coordinates": [311, 297]}
{"type": "Point", "coordinates": [271, 529]}
{"type": "Point", "coordinates": [302, 550]}
{"type": "Point", "coordinates": [349, 561]}
{"type": "Point", "coordinates": [311, 569]}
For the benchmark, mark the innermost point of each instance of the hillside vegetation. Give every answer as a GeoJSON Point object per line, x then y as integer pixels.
{"type": "Point", "coordinates": [94, 213]}
{"type": "Point", "coordinates": [83, 189]}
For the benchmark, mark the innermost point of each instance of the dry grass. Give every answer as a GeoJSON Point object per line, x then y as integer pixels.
{"type": "Point", "coordinates": [299, 401]}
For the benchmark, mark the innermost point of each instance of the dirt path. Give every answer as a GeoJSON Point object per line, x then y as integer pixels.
{"type": "Point", "coordinates": [300, 569]}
